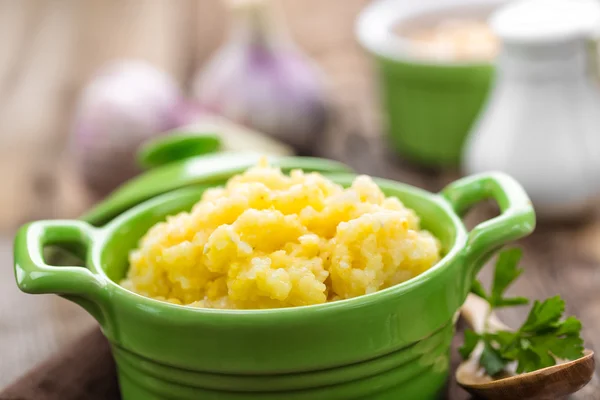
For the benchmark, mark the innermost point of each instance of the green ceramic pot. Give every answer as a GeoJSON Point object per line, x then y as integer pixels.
{"type": "Point", "coordinates": [429, 109]}
{"type": "Point", "coordinates": [392, 344]}
{"type": "Point", "coordinates": [428, 105]}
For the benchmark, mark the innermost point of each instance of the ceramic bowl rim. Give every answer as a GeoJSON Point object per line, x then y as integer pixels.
{"type": "Point", "coordinates": [102, 236]}
{"type": "Point", "coordinates": [373, 30]}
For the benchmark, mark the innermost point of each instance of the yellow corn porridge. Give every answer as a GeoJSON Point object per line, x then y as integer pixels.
{"type": "Point", "coordinates": [268, 240]}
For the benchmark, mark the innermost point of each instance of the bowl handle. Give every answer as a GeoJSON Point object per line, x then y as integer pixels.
{"type": "Point", "coordinates": [79, 284]}
{"type": "Point", "coordinates": [176, 146]}
{"type": "Point", "coordinates": [516, 219]}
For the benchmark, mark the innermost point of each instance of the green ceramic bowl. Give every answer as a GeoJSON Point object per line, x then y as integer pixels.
{"type": "Point", "coordinates": [392, 344]}
{"type": "Point", "coordinates": [428, 105]}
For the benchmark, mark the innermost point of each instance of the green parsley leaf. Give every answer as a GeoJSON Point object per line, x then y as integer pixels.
{"type": "Point", "coordinates": [503, 338]}
{"type": "Point", "coordinates": [491, 360]}
{"type": "Point", "coordinates": [505, 273]}
{"type": "Point", "coordinates": [569, 347]}
{"type": "Point", "coordinates": [511, 301]}
{"type": "Point", "coordinates": [544, 314]}
{"type": "Point", "coordinates": [542, 338]}
{"type": "Point", "coordinates": [541, 346]}
{"type": "Point", "coordinates": [538, 349]}
{"type": "Point", "coordinates": [569, 326]}
{"type": "Point", "coordinates": [549, 345]}
{"type": "Point", "coordinates": [528, 360]}
{"type": "Point", "coordinates": [477, 288]}
{"type": "Point", "coordinates": [471, 340]}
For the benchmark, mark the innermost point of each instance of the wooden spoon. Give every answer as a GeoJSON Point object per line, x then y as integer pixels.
{"type": "Point", "coordinates": [547, 383]}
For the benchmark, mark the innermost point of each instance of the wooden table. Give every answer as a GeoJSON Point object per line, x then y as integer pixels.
{"type": "Point", "coordinates": [48, 49]}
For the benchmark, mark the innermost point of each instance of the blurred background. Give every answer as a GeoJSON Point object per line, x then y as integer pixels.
{"type": "Point", "coordinates": [420, 92]}
{"type": "Point", "coordinates": [50, 50]}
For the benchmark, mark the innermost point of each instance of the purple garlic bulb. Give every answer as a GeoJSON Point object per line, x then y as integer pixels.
{"type": "Point", "coordinates": [261, 80]}
{"type": "Point", "coordinates": [125, 104]}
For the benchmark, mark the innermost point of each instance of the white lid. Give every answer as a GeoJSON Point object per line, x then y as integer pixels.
{"type": "Point", "coordinates": [547, 20]}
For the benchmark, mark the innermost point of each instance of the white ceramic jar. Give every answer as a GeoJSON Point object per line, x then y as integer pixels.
{"type": "Point", "coordinates": [542, 120]}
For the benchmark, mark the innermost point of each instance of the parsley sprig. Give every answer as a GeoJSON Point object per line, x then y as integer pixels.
{"type": "Point", "coordinates": [544, 336]}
